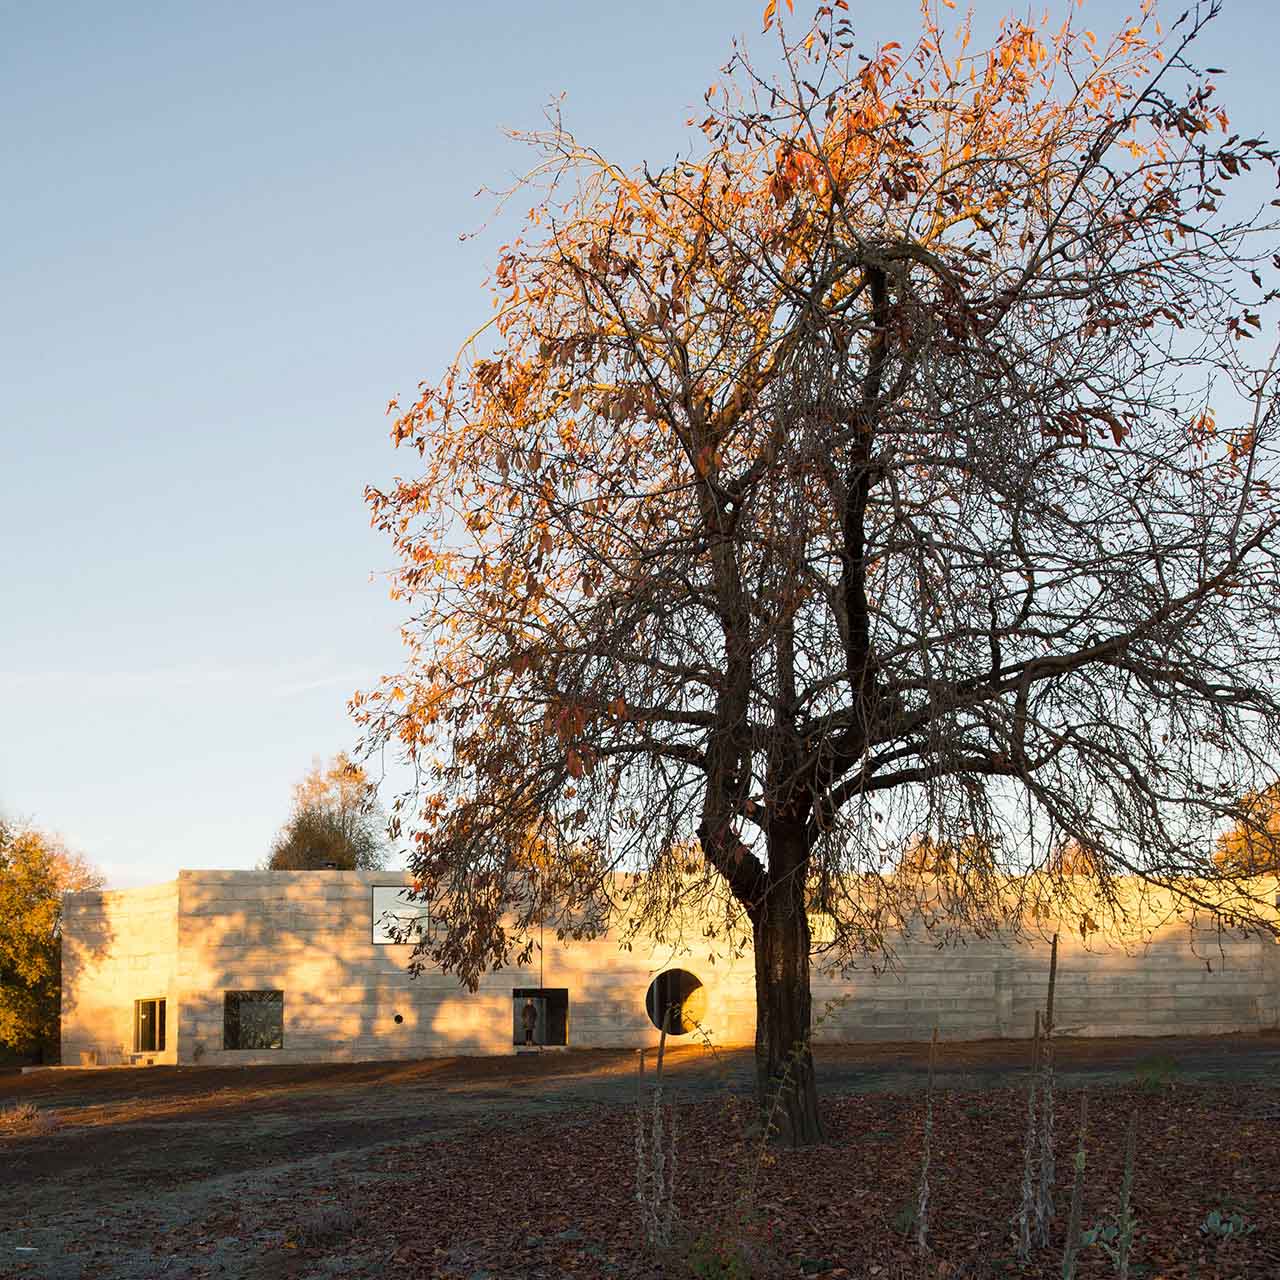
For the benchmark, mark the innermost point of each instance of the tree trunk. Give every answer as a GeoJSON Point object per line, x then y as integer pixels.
{"type": "Point", "coordinates": [784, 1061]}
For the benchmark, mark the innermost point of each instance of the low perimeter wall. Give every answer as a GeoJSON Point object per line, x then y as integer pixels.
{"type": "Point", "coordinates": [347, 997]}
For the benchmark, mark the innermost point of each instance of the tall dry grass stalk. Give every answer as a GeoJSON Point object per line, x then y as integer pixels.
{"type": "Point", "coordinates": [1127, 1222]}
{"type": "Point", "coordinates": [1044, 1200]}
{"type": "Point", "coordinates": [1071, 1249]}
{"type": "Point", "coordinates": [1027, 1206]}
{"type": "Point", "coordinates": [642, 1166]}
{"type": "Point", "coordinates": [922, 1204]}
{"type": "Point", "coordinates": [768, 1124]}
{"type": "Point", "coordinates": [656, 1154]}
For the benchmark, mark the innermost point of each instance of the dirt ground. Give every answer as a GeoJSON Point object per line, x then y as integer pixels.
{"type": "Point", "coordinates": [169, 1171]}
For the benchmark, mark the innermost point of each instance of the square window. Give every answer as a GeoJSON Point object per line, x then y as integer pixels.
{"type": "Point", "coordinates": [253, 1020]}
{"type": "Point", "coordinates": [396, 917]}
{"type": "Point", "coordinates": [148, 1026]}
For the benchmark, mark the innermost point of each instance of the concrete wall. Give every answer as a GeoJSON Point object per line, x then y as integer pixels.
{"type": "Point", "coordinates": [1152, 970]}
{"type": "Point", "coordinates": [989, 990]}
{"type": "Point", "coordinates": [117, 947]}
{"type": "Point", "coordinates": [309, 934]}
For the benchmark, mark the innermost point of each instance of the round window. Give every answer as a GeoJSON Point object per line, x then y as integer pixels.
{"type": "Point", "coordinates": [678, 998]}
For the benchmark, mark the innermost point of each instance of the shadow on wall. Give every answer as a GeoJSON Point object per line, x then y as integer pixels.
{"type": "Point", "coordinates": [1172, 974]}
{"type": "Point", "coordinates": [307, 935]}
{"type": "Point", "coordinates": [345, 997]}
{"type": "Point", "coordinates": [83, 951]}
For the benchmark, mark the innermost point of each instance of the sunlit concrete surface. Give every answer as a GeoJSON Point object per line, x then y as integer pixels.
{"type": "Point", "coordinates": [309, 935]}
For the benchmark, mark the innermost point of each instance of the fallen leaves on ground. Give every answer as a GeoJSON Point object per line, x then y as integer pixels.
{"type": "Point", "coordinates": [554, 1196]}
{"type": "Point", "coordinates": [557, 1199]}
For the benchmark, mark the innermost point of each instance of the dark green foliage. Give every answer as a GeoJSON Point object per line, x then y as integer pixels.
{"type": "Point", "coordinates": [315, 840]}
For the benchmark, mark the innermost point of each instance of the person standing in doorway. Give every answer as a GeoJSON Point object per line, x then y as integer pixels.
{"type": "Point", "coordinates": [529, 1019]}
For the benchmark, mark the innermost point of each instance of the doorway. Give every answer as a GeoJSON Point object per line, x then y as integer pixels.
{"type": "Point", "coordinates": [148, 1026]}
{"type": "Point", "coordinates": [550, 1016]}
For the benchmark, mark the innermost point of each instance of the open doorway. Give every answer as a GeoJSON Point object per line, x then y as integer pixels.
{"type": "Point", "coordinates": [539, 1016]}
{"type": "Point", "coordinates": [148, 1026]}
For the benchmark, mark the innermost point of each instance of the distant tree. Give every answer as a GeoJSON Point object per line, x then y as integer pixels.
{"type": "Point", "coordinates": [336, 822]}
{"type": "Point", "coordinates": [962, 856]}
{"type": "Point", "coordinates": [1252, 846]}
{"type": "Point", "coordinates": [1071, 858]}
{"type": "Point", "coordinates": [35, 871]}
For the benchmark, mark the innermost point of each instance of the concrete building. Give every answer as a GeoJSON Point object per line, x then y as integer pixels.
{"type": "Point", "coordinates": [247, 967]}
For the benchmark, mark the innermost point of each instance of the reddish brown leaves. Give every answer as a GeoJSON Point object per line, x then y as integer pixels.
{"type": "Point", "coordinates": [837, 1210]}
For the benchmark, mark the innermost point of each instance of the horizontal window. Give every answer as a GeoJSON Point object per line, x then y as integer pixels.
{"type": "Point", "coordinates": [253, 1020]}
{"type": "Point", "coordinates": [396, 917]}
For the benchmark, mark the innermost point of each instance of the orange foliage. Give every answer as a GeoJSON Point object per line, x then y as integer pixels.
{"type": "Point", "coordinates": [618, 525]}
{"type": "Point", "coordinates": [1252, 846]}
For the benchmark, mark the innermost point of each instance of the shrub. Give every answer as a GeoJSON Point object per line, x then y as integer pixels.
{"type": "Point", "coordinates": [711, 1258]}
{"type": "Point", "coordinates": [26, 1118]}
{"type": "Point", "coordinates": [1221, 1224]}
{"type": "Point", "coordinates": [322, 1227]}
{"type": "Point", "coordinates": [1155, 1073]}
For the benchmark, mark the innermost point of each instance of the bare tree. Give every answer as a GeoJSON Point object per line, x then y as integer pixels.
{"type": "Point", "coordinates": [854, 480]}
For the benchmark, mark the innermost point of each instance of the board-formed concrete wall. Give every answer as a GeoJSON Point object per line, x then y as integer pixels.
{"type": "Point", "coordinates": [1153, 968]}
{"type": "Point", "coordinates": [987, 990]}
{"type": "Point", "coordinates": [117, 947]}
{"type": "Point", "coordinates": [309, 935]}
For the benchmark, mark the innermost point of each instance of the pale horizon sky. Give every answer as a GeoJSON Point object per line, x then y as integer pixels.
{"type": "Point", "coordinates": [230, 236]}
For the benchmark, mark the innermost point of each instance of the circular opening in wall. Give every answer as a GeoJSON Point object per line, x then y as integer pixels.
{"type": "Point", "coordinates": [398, 1019]}
{"type": "Point", "coordinates": [678, 996]}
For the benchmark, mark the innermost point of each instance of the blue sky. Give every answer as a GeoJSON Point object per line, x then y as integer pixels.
{"type": "Point", "coordinates": [228, 235]}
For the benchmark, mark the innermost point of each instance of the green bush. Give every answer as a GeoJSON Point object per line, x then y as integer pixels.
{"type": "Point", "coordinates": [1222, 1224]}
{"type": "Point", "coordinates": [1156, 1073]}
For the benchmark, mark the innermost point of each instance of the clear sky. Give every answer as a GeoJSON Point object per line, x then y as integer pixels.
{"type": "Point", "coordinates": [228, 235]}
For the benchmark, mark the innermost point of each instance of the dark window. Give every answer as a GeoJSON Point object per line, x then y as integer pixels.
{"type": "Point", "coordinates": [677, 998]}
{"type": "Point", "coordinates": [253, 1020]}
{"type": "Point", "coordinates": [550, 1015]}
{"type": "Point", "coordinates": [148, 1026]}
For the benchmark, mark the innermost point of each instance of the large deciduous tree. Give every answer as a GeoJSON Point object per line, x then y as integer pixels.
{"type": "Point", "coordinates": [35, 871]}
{"type": "Point", "coordinates": [857, 477]}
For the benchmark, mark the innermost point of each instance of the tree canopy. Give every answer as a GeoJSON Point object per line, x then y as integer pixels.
{"type": "Point", "coordinates": [336, 822]}
{"type": "Point", "coordinates": [35, 871]}
{"type": "Point", "coordinates": [877, 471]}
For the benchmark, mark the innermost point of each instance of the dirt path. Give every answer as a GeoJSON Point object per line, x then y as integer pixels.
{"type": "Point", "coordinates": [194, 1172]}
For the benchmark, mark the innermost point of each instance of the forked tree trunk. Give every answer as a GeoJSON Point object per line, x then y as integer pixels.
{"type": "Point", "coordinates": [784, 1058]}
